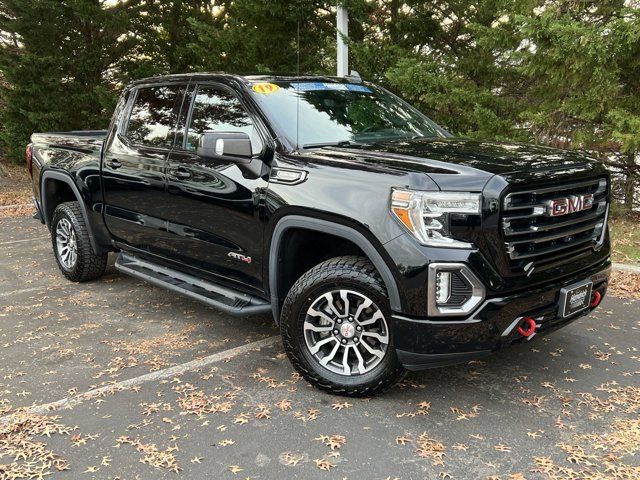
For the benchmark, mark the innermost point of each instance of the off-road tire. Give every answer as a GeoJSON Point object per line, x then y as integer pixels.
{"type": "Point", "coordinates": [354, 273]}
{"type": "Point", "coordinates": [88, 265]}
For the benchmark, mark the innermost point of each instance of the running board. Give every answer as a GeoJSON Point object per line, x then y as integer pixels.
{"type": "Point", "coordinates": [223, 298]}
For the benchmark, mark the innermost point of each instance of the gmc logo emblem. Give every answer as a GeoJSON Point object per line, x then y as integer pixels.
{"type": "Point", "coordinates": [572, 204]}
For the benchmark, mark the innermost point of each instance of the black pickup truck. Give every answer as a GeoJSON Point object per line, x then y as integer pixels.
{"type": "Point", "coordinates": [377, 241]}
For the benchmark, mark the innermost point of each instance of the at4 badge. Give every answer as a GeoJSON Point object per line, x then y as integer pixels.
{"type": "Point", "coordinates": [240, 257]}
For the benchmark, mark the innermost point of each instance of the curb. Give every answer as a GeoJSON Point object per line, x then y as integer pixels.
{"type": "Point", "coordinates": [626, 267]}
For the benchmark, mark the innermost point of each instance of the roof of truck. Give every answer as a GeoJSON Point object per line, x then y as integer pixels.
{"type": "Point", "coordinates": [182, 77]}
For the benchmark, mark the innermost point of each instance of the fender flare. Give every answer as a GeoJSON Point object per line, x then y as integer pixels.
{"type": "Point", "coordinates": [66, 178]}
{"type": "Point", "coordinates": [338, 230]}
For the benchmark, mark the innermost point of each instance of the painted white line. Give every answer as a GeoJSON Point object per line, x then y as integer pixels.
{"type": "Point", "coordinates": [24, 240]}
{"type": "Point", "coordinates": [71, 402]}
{"type": "Point", "coordinates": [24, 290]}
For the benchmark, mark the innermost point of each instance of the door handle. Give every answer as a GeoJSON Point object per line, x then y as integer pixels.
{"type": "Point", "coordinates": [115, 164]}
{"type": "Point", "coordinates": [182, 173]}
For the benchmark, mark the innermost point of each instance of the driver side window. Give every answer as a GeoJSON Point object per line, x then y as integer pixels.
{"type": "Point", "coordinates": [217, 110]}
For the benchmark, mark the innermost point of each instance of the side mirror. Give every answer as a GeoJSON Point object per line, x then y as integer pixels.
{"type": "Point", "coordinates": [227, 146]}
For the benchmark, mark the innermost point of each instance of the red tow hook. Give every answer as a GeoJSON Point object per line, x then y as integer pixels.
{"type": "Point", "coordinates": [530, 324]}
{"type": "Point", "coordinates": [595, 299]}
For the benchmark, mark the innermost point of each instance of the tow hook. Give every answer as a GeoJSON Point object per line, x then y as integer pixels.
{"type": "Point", "coordinates": [596, 297]}
{"type": "Point", "coordinates": [527, 327]}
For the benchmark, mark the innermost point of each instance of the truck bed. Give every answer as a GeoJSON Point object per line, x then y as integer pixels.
{"type": "Point", "coordinates": [81, 140]}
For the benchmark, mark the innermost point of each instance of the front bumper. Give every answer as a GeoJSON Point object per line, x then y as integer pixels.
{"type": "Point", "coordinates": [424, 343]}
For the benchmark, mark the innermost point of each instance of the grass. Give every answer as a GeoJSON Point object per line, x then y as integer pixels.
{"type": "Point", "coordinates": [625, 233]}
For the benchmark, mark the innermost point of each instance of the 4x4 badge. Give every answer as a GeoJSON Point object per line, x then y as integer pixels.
{"type": "Point", "coordinates": [239, 256]}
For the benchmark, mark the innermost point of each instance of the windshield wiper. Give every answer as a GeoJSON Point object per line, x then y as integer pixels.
{"type": "Point", "coordinates": [343, 143]}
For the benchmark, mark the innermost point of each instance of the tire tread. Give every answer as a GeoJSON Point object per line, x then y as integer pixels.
{"type": "Point", "coordinates": [348, 268]}
{"type": "Point", "coordinates": [89, 264]}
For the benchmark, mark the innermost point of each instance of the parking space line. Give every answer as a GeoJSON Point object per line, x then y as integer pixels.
{"type": "Point", "coordinates": [24, 240]}
{"type": "Point", "coordinates": [24, 290]}
{"type": "Point", "coordinates": [70, 402]}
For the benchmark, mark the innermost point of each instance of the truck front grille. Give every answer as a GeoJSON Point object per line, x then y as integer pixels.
{"type": "Point", "coordinates": [548, 226]}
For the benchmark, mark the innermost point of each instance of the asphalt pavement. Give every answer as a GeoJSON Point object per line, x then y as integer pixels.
{"type": "Point", "coordinates": [118, 379]}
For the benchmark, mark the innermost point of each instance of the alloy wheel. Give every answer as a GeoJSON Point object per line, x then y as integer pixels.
{"type": "Point", "coordinates": [66, 243]}
{"type": "Point", "coordinates": [346, 332]}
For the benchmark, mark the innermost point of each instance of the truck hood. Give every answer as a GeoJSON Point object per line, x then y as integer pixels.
{"type": "Point", "coordinates": [456, 164]}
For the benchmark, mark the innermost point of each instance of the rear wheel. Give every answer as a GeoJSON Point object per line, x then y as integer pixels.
{"type": "Point", "coordinates": [72, 247]}
{"type": "Point", "coordinates": [335, 325]}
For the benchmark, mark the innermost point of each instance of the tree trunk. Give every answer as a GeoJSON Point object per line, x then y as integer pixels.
{"type": "Point", "coordinates": [394, 33]}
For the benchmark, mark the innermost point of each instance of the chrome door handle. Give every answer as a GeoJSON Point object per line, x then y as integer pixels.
{"type": "Point", "coordinates": [115, 164]}
{"type": "Point", "coordinates": [182, 174]}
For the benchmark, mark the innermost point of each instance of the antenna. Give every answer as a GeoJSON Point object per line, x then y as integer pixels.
{"type": "Point", "coordinates": [298, 50]}
{"type": "Point", "coordinates": [297, 90]}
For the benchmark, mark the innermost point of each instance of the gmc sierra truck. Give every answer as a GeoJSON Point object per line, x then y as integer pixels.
{"type": "Point", "coordinates": [377, 241]}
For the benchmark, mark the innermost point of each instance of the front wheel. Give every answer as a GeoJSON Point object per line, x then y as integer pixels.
{"type": "Point", "coordinates": [335, 325]}
{"type": "Point", "coordinates": [72, 247]}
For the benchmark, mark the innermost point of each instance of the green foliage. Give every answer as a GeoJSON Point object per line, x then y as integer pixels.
{"type": "Point", "coordinates": [558, 72]}
{"type": "Point", "coordinates": [260, 36]}
{"type": "Point", "coordinates": [56, 58]}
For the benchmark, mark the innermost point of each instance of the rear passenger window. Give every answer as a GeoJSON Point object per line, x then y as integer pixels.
{"type": "Point", "coordinates": [153, 115]}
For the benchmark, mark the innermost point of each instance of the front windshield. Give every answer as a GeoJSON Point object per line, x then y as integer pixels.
{"type": "Point", "coordinates": [332, 113]}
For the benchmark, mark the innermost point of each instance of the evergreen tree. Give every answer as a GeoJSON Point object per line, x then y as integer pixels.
{"type": "Point", "coordinates": [582, 60]}
{"type": "Point", "coordinates": [559, 72]}
{"type": "Point", "coordinates": [452, 59]}
{"type": "Point", "coordinates": [164, 37]}
{"type": "Point", "coordinates": [261, 36]}
{"type": "Point", "coordinates": [57, 58]}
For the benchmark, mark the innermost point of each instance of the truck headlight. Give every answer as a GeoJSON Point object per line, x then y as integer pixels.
{"type": "Point", "coordinates": [427, 215]}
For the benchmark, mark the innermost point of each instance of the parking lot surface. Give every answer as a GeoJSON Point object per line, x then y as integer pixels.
{"type": "Point", "coordinates": [177, 389]}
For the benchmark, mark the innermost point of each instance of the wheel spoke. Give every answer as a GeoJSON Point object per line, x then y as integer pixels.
{"type": "Point", "coordinates": [345, 300]}
{"type": "Point", "coordinates": [376, 316]}
{"type": "Point", "coordinates": [345, 361]}
{"type": "Point", "coordinates": [317, 313]}
{"type": "Point", "coordinates": [327, 358]}
{"type": "Point", "coordinates": [317, 328]}
{"type": "Point", "coordinates": [361, 367]}
{"type": "Point", "coordinates": [366, 303]}
{"type": "Point", "coordinates": [381, 338]}
{"type": "Point", "coordinates": [316, 348]}
{"type": "Point", "coordinates": [372, 351]}
{"type": "Point", "coordinates": [329, 298]}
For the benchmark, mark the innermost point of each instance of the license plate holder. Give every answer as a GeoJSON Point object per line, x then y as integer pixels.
{"type": "Point", "coordinates": [575, 298]}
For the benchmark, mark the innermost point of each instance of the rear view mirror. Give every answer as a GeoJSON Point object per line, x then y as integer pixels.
{"type": "Point", "coordinates": [228, 146]}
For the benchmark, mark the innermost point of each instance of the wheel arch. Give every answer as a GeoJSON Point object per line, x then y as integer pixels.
{"type": "Point", "coordinates": [327, 228]}
{"type": "Point", "coordinates": [48, 182]}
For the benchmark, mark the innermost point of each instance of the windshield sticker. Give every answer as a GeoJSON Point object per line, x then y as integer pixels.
{"type": "Point", "coordinates": [265, 88]}
{"type": "Point", "coordinates": [319, 86]}
{"type": "Point", "coordinates": [358, 88]}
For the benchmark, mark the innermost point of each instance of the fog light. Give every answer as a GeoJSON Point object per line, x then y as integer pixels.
{"type": "Point", "coordinates": [443, 287]}
{"type": "Point", "coordinates": [453, 289]}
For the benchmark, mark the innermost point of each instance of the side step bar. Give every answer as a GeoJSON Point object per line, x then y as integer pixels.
{"type": "Point", "coordinates": [223, 298]}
